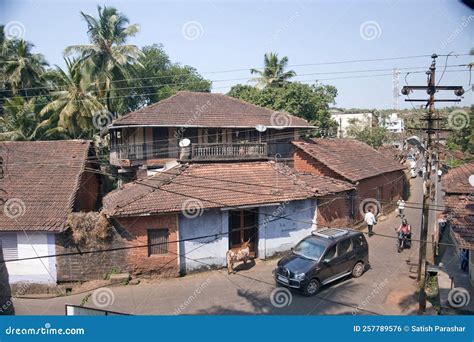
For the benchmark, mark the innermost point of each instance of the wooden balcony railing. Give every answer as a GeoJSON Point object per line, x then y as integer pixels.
{"type": "Point", "coordinates": [223, 151]}
{"type": "Point", "coordinates": [136, 154]}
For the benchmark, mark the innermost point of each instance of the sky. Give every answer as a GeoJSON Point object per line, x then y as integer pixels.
{"type": "Point", "coordinates": [224, 39]}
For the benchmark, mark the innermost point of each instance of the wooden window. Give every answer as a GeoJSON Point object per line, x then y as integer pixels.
{"type": "Point", "coordinates": [158, 241]}
{"type": "Point", "coordinates": [9, 244]}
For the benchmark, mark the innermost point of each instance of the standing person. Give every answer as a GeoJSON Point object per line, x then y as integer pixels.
{"type": "Point", "coordinates": [401, 208]}
{"type": "Point", "coordinates": [369, 218]}
{"type": "Point", "coordinates": [440, 173]}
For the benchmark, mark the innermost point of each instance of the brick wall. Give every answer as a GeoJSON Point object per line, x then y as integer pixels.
{"type": "Point", "coordinates": [88, 192]}
{"type": "Point", "coordinates": [391, 185]}
{"type": "Point", "coordinates": [305, 163]}
{"type": "Point", "coordinates": [88, 266]}
{"type": "Point", "coordinates": [335, 210]}
{"type": "Point", "coordinates": [386, 188]}
{"type": "Point", "coordinates": [138, 259]}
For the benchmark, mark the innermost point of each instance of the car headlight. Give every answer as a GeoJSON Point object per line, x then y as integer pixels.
{"type": "Point", "coordinates": [299, 276]}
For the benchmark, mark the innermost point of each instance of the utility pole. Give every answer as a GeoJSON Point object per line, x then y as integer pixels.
{"type": "Point", "coordinates": [428, 183]}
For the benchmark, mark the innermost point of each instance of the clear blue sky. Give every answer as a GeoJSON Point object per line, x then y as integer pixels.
{"type": "Point", "coordinates": [236, 34]}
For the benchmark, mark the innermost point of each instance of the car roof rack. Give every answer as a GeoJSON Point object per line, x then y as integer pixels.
{"type": "Point", "coordinates": [330, 233]}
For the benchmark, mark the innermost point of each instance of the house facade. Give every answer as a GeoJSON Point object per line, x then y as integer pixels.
{"type": "Point", "coordinates": [344, 120]}
{"type": "Point", "coordinates": [44, 181]}
{"type": "Point", "coordinates": [459, 203]}
{"type": "Point", "coordinates": [209, 126]}
{"type": "Point", "coordinates": [190, 215]}
{"type": "Point", "coordinates": [374, 176]}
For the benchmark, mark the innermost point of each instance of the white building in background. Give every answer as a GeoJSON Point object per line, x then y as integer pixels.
{"type": "Point", "coordinates": [394, 123]}
{"type": "Point", "coordinates": [344, 120]}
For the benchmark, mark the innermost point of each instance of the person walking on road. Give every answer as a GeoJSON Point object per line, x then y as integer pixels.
{"type": "Point", "coordinates": [369, 218]}
{"type": "Point", "coordinates": [401, 208]}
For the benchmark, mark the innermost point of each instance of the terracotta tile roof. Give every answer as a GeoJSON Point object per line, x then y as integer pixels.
{"type": "Point", "coordinates": [460, 210]}
{"type": "Point", "coordinates": [456, 181]}
{"type": "Point", "coordinates": [217, 185]}
{"type": "Point", "coordinates": [194, 109]}
{"type": "Point", "coordinates": [45, 176]}
{"type": "Point", "coordinates": [350, 158]}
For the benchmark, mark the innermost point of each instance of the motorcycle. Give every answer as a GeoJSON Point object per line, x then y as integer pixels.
{"type": "Point", "coordinates": [404, 241]}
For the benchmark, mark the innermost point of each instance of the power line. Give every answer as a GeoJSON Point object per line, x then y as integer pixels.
{"type": "Point", "coordinates": [248, 69]}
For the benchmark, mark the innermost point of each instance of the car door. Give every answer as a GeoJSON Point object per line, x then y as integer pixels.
{"type": "Point", "coordinates": [326, 266]}
{"type": "Point", "coordinates": [343, 262]}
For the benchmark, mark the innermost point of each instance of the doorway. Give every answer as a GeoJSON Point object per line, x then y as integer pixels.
{"type": "Point", "coordinates": [243, 225]}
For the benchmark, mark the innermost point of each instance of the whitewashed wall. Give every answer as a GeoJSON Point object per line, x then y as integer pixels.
{"type": "Point", "coordinates": [35, 270]}
{"type": "Point", "coordinates": [273, 235]}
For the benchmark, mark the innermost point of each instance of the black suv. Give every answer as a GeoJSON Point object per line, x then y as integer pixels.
{"type": "Point", "coordinates": [326, 255]}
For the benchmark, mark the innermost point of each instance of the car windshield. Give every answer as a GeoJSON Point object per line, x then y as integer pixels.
{"type": "Point", "coordinates": [309, 249]}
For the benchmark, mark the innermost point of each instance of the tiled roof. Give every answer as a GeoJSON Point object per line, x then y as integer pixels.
{"type": "Point", "coordinates": [457, 180]}
{"type": "Point", "coordinates": [217, 185]}
{"type": "Point", "coordinates": [349, 158]}
{"type": "Point", "coordinates": [41, 179]}
{"type": "Point", "coordinates": [194, 109]}
{"type": "Point", "coordinates": [460, 209]}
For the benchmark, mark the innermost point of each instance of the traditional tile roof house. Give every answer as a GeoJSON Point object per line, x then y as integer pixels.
{"type": "Point", "coordinates": [459, 204]}
{"type": "Point", "coordinates": [374, 175]}
{"type": "Point", "coordinates": [43, 182]}
{"type": "Point", "coordinates": [215, 127]}
{"type": "Point", "coordinates": [272, 205]}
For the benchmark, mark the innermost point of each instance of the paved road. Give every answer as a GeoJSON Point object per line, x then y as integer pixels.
{"type": "Point", "coordinates": [387, 288]}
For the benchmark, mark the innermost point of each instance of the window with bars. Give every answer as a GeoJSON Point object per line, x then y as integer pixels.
{"type": "Point", "coordinates": [158, 241]}
{"type": "Point", "coordinates": [9, 245]}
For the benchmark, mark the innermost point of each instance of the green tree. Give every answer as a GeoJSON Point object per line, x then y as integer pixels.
{"type": "Point", "coordinates": [21, 69]}
{"type": "Point", "coordinates": [160, 78]}
{"type": "Point", "coordinates": [374, 136]}
{"type": "Point", "coordinates": [310, 102]}
{"type": "Point", "coordinates": [462, 136]}
{"type": "Point", "coordinates": [19, 121]}
{"type": "Point", "coordinates": [273, 73]}
{"type": "Point", "coordinates": [74, 102]}
{"type": "Point", "coordinates": [108, 58]}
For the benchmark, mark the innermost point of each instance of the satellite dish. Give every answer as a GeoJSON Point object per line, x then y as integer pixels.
{"type": "Point", "coordinates": [261, 128]}
{"type": "Point", "coordinates": [184, 143]}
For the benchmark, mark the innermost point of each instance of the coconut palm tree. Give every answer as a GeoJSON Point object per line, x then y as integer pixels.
{"type": "Point", "coordinates": [21, 68]}
{"type": "Point", "coordinates": [273, 73]}
{"type": "Point", "coordinates": [74, 102]}
{"type": "Point", "coordinates": [19, 121]}
{"type": "Point", "coordinates": [107, 57]}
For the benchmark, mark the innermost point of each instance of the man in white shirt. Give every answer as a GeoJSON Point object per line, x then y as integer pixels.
{"type": "Point", "coordinates": [401, 207]}
{"type": "Point", "coordinates": [369, 218]}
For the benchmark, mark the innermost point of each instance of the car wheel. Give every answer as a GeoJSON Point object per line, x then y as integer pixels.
{"type": "Point", "coordinates": [312, 287]}
{"type": "Point", "coordinates": [358, 269]}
